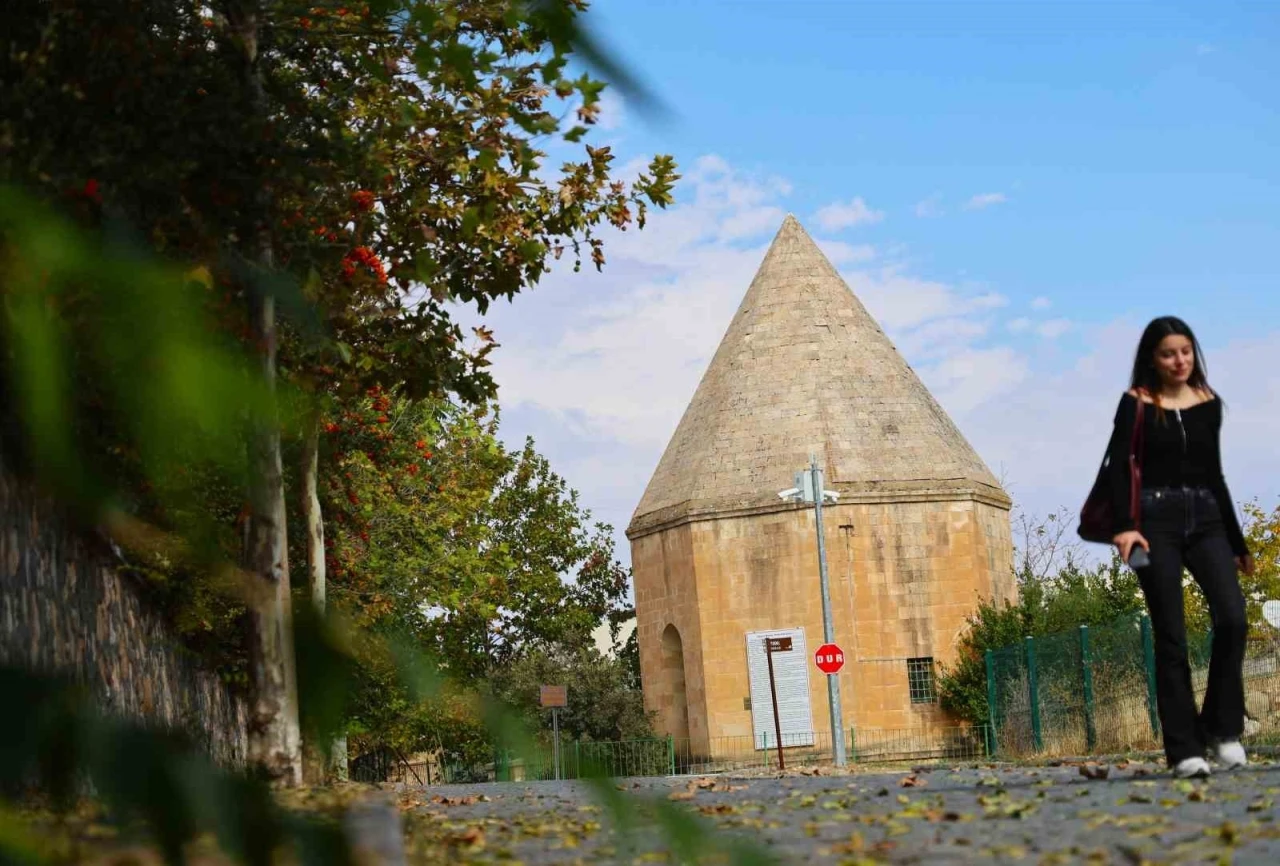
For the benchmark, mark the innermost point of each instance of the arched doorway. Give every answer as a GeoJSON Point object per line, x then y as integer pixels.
{"type": "Point", "coordinates": [675, 706]}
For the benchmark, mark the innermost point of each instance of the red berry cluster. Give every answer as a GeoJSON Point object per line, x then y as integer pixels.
{"type": "Point", "coordinates": [362, 200]}
{"type": "Point", "coordinates": [363, 256]}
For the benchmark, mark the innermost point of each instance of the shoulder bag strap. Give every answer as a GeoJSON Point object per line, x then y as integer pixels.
{"type": "Point", "coordinates": [1135, 463]}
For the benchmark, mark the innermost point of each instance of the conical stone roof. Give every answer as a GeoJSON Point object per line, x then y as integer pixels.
{"type": "Point", "coordinates": [802, 369]}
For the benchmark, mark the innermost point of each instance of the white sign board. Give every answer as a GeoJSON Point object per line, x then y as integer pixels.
{"type": "Point", "coordinates": [1271, 612]}
{"type": "Point", "coordinates": [791, 676]}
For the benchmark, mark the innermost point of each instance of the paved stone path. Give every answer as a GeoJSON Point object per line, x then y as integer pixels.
{"type": "Point", "coordinates": [1127, 813]}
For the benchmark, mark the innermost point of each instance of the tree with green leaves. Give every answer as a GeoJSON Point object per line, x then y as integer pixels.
{"type": "Point", "coordinates": [602, 707]}
{"type": "Point", "coordinates": [438, 532]}
{"type": "Point", "coordinates": [1056, 593]}
{"type": "Point", "coordinates": [382, 158]}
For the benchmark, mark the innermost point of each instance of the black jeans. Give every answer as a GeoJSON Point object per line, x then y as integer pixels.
{"type": "Point", "coordinates": [1184, 529]}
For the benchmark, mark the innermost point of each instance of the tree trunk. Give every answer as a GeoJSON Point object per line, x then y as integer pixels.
{"type": "Point", "coordinates": [274, 736]}
{"type": "Point", "coordinates": [314, 520]}
{"type": "Point", "coordinates": [311, 512]}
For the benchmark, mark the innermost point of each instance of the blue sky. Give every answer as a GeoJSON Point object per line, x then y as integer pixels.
{"type": "Point", "coordinates": [1136, 142]}
{"type": "Point", "coordinates": [1012, 188]}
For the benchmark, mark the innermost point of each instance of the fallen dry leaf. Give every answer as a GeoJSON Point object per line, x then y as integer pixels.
{"type": "Point", "coordinates": [718, 809]}
{"type": "Point", "coordinates": [473, 837]}
{"type": "Point", "coordinates": [1095, 771]}
{"type": "Point", "coordinates": [680, 795]}
{"type": "Point", "coordinates": [913, 781]}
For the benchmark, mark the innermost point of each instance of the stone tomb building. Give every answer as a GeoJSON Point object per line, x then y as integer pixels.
{"type": "Point", "coordinates": [920, 534]}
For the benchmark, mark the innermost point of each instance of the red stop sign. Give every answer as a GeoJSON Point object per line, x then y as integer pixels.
{"type": "Point", "coordinates": [829, 658]}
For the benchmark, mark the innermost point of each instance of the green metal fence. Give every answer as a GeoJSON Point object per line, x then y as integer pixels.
{"type": "Point", "coordinates": [1093, 690]}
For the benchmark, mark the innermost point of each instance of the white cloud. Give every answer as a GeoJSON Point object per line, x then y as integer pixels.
{"type": "Point", "coordinates": [1205, 48]}
{"type": "Point", "coordinates": [899, 300]}
{"type": "Point", "coordinates": [939, 338]}
{"type": "Point", "coordinates": [930, 207]}
{"type": "Point", "coordinates": [841, 253]}
{"type": "Point", "coordinates": [751, 223]}
{"type": "Point", "coordinates": [623, 351]}
{"type": "Point", "coordinates": [971, 378]}
{"type": "Point", "coordinates": [599, 367]}
{"type": "Point", "coordinates": [1053, 328]}
{"type": "Point", "coordinates": [838, 216]}
{"type": "Point", "coordinates": [1041, 303]}
{"type": "Point", "coordinates": [985, 200]}
{"type": "Point", "coordinates": [612, 110]}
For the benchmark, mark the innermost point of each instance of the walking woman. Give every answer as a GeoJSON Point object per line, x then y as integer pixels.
{"type": "Point", "coordinates": [1186, 519]}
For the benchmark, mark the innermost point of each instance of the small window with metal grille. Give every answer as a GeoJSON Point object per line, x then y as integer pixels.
{"type": "Point", "coordinates": [920, 680]}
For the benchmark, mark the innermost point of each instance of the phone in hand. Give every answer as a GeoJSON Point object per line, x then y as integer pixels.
{"type": "Point", "coordinates": [1138, 557]}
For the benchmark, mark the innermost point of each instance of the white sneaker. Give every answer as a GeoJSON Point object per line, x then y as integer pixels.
{"type": "Point", "coordinates": [1192, 768]}
{"type": "Point", "coordinates": [1231, 754]}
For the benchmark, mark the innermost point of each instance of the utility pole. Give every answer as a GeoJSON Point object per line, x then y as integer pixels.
{"type": "Point", "coordinates": [828, 628]}
{"type": "Point", "coordinates": [809, 489]}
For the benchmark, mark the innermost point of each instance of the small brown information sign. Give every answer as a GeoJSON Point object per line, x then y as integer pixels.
{"type": "Point", "coordinates": [778, 644]}
{"type": "Point", "coordinates": [554, 697]}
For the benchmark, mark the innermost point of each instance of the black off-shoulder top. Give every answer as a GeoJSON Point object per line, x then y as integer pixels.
{"type": "Point", "coordinates": [1179, 449]}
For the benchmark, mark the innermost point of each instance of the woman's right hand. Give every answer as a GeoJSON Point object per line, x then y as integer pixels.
{"type": "Point", "coordinates": [1125, 541]}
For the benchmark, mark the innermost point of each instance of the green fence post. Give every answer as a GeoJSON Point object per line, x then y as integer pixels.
{"type": "Point", "coordinates": [853, 745]}
{"type": "Point", "coordinates": [991, 703]}
{"type": "Point", "coordinates": [671, 755]}
{"type": "Point", "coordinates": [1086, 677]}
{"type": "Point", "coordinates": [1033, 693]}
{"type": "Point", "coordinates": [1149, 661]}
{"type": "Point", "coordinates": [577, 759]}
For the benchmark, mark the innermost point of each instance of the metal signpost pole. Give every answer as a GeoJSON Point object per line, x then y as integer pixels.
{"type": "Point", "coordinates": [555, 740]}
{"type": "Point", "coordinates": [828, 629]}
{"type": "Point", "coordinates": [772, 645]}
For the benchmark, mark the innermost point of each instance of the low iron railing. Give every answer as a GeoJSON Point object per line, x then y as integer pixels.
{"type": "Point", "coordinates": [669, 756]}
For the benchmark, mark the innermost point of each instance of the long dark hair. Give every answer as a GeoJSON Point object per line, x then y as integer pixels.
{"type": "Point", "coordinates": [1144, 375]}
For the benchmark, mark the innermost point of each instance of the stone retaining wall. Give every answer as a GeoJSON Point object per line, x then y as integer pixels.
{"type": "Point", "coordinates": [64, 608]}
